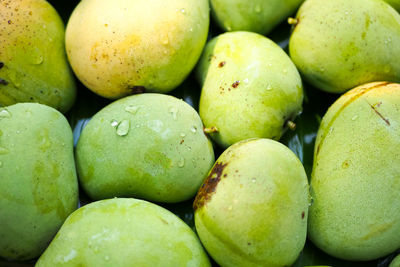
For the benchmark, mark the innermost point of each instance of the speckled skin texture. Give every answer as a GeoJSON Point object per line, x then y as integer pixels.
{"type": "Point", "coordinates": [340, 44]}
{"type": "Point", "coordinates": [38, 183]}
{"type": "Point", "coordinates": [395, 262]}
{"type": "Point", "coordinates": [250, 88]}
{"type": "Point", "coordinates": [252, 209]}
{"type": "Point", "coordinates": [33, 62]}
{"type": "Point", "coordinates": [356, 175]}
{"type": "Point", "coordinates": [157, 152]}
{"type": "Point", "coordinates": [259, 16]}
{"type": "Point", "coordinates": [130, 44]}
{"type": "Point", "coordinates": [395, 4]}
{"type": "Point", "coordinates": [124, 232]}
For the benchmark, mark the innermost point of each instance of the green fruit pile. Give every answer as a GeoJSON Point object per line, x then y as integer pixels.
{"type": "Point", "coordinates": [200, 133]}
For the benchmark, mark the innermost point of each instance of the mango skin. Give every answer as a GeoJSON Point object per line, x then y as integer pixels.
{"type": "Point", "coordinates": [394, 3]}
{"type": "Point", "coordinates": [124, 232]}
{"type": "Point", "coordinates": [38, 182]}
{"type": "Point", "coordinates": [259, 16]}
{"type": "Point", "coordinates": [165, 156]}
{"type": "Point", "coordinates": [34, 66]}
{"type": "Point", "coordinates": [250, 88]}
{"type": "Point", "coordinates": [340, 44]}
{"type": "Point", "coordinates": [395, 262]}
{"type": "Point", "coordinates": [252, 209]}
{"type": "Point", "coordinates": [355, 181]}
{"type": "Point", "coordinates": [130, 46]}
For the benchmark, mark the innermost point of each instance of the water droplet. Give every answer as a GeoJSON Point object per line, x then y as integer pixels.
{"type": "Point", "coordinates": [96, 249]}
{"type": "Point", "coordinates": [387, 69]}
{"type": "Point", "coordinates": [181, 163]}
{"type": "Point", "coordinates": [14, 79]}
{"type": "Point", "coordinates": [230, 208]}
{"type": "Point", "coordinates": [229, 27]}
{"type": "Point", "coordinates": [4, 113]}
{"type": "Point", "coordinates": [253, 180]}
{"type": "Point", "coordinates": [18, 132]}
{"type": "Point", "coordinates": [354, 118]}
{"type": "Point", "coordinates": [269, 87]}
{"type": "Point", "coordinates": [330, 130]}
{"type": "Point", "coordinates": [246, 80]}
{"type": "Point", "coordinates": [257, 9]}
{"type": "Point", "coordinates": [107, 258]}
{"type": "Point", "coordinates": [191, 29]}
{"type": "Point", "coordinates": [132, 109]}
{"type": "Point", "coordinates": [123, 128]}
{"type": "Point", "coordinates": [44, 26]}
{"type": "Point", "coordinates": [164, 39]}
{"type": "Point", "coordinates": [183, 134]}
{"type": "Point", "coordinates": [285, 71]}
{"type": "Point", "coordinates": [183, 11]}
{"type": "Point", "coordinates": [322, 69]}
{"type": "Point", "coordinates": [114, 123]}
{"type": "Point", "coordinates": [4, 150]}
{"type": "Point", "coordinates": [174, 112]}
{"type": "Point", "coordinates": [193, 129]}
{"type": "Point", "coordinates": [36, 56]}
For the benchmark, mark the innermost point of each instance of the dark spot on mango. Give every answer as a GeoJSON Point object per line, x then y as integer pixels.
{"type": "Point", "coordinates": [3, 82]}
{"type": "Point", "coordinates": [236, 84]}
{"type": "Point", "coordinates": [1, 65]}
{"type": "Point", "coordinates": [137, 89]}
{"type": "Point", "coordinates": [221, 64]}
{"type": "Point", "coordinates": [9, 21]}
{"type": "Point", "coordinates": [209, 186]}
{"type": "Point", "coordinates": [303, 214]}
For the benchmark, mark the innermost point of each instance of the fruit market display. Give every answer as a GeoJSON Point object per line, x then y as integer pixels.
{"type": "Point", "coordinates": [200, 133]}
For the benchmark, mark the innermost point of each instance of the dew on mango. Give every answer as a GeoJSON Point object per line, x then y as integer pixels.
{"type": "Point", "coordinates": [132, 109]}
{"type": "Point", "coordinates": [123, 128]}
{"type": "Point", "coordinates": [4, 151]}
{"type": "Point", "coordinates": [114, 123]}
{"type": "Point", "coordinates": [4, 113]}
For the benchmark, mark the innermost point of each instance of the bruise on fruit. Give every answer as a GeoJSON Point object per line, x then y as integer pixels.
{"type": "Point", "coordinates": [137, 89]}
{"type": "Point", "coordinates": [236, 84]}
{"type": "Point", "coordinates": [3, 82]}
{"type": "Point", "coordinates": [1, 65]}
{"type": "Point", "coordinates": [209, 186]}
{"type": "Point", "coordinates": [303, 214]}
{"type": "Point", "coordinates": [221, 64]}
{"type": "Point", "coordinates": [378, 113]}
{"type": "Point", "coordinates": [348, 102]}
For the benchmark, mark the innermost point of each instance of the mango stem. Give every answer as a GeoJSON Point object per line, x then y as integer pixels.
{"type": "Point", "coordinates": [210, 130]}
{"type": "Point", "coordinates": [292, 21]}
{"type": "Point", "coordinates": [291, 125]}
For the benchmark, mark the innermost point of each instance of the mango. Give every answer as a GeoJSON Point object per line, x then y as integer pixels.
{"type": "Point", "coordinates": [340, 44]}
{"type": "Point", "coordinates": [252, 209]}
{"type": "Point", "coordinates": [149, 146]}
{"type": "Point", "coordinates": [259, 16]}
{"type": "Point", "coordinates": [395, 262]}
{"type": "Point", "coordinates": [128, 47]}
{"type": "Point", "coordinates": [355, 181]}
{"type": "Point", "coordinates": [250, 88]}
{"type": "Point", "coordinates": [38, 183]}
{"type": "Point", "coordinates": [124, 232]}
{"type": "Point", "coordinates": [33, 62]}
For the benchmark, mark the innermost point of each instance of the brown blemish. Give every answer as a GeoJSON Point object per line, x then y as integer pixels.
{"type": "Point", "coordinates": [303, 214]}
{"type": "Point", "coordinates": [181, 142]}
{"type": "Point", "coordinates": [208, 188]}
{"type": "Point", "coordinates": [9, 21]}
{"type": "Point", "coordinates": [221, 64]}
{"type": "Point", "coordinates": [1, 65]}
{"type": "Point", "coordinates": [378, 113]}
{"type": "Point", "coordinates": [348, 102]}
{"type": "Point", "coordinates": [211, 57]}
{"type": "Point", "coordinates": [236, 84]}
{"type": "Point", "coordinates": [3, 82]}
{"type": "Point", "coordinates": [137, 89]}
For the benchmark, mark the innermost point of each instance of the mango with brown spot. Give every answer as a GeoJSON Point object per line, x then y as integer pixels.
{"type": "Point", "coordinates": [252, 209]}
{"type": "Point", "coordinates": [38, 182]}
{"type": "Point", "coordinates": [356, 175]}
{"type": "Point", "coordinates": [127, 47]}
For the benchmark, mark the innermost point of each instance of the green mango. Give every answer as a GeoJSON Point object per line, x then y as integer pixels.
{"type": "Point", "coordinates": [395, 262]}
{"type": "Point", "coordinates": [340, 44]}
{"type": "Point", "coordinates": [33, 63]}
{"type": "Point", "coordinates": [355, 181]}
{"type": "Point", "coordinates": [259, 16]}
{"type": "Point", "coordinates": [394, 3]}
{"type": "Point", "coordinates": [124, 232]}
{"type": "Point", "coordinates": [128, 47]}
{"type": "Point", "coordinates": [252, 209]}
{"type": "Point", "coordinates": [149, 146]}
{"type": "Point", "coordinates": [250, 88]}
{"type": "Point", "coordinates": [38, 183]}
